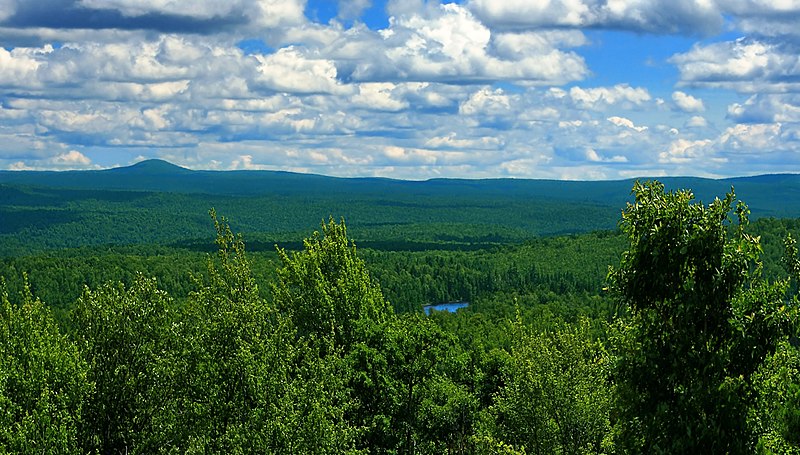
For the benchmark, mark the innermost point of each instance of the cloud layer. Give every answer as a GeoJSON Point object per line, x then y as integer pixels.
{"type": "Point", "coordinates": [473, 89]}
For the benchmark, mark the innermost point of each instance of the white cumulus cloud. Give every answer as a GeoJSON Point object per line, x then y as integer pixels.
{"type": "Point", "coordinates": [473, 88]}
{"type": "Point", "coordinates": [682, 151]}
{"type": "Point", "coordinates": [767, 108]}
{"type": "Point", "coordinates": [745, 65]}
{"type": "Point", "coordinates": [289, 70]}
{"type": "Point", "coordinates": [7, 9]}
{"type": "Point", "coordinates": [601, 97]}
{"type": "Point", "coordinates": [19, 66]}
{"type": "Point", "coordinates": [762, 137]}
{"type": "Point", "coordinates": [764, 17]}
{"type": "Point", "coordinates": [626, 123]}
{"type": "Point", "coordinates": [682, 16]}
{"type": "Point", "coordinates": [696, 121]}
{"type": "Point", "coordinates": [687, 103]}
{"type": "Point", "coordinates": [486, 102]}
{"type": "Point", "coordinates": [379, 96]}
{"type": "Point", "coordinates": [71, 160]}
{"type": "Point", "coordinates": [449, 44]}
{"type": "Point", "coordinates": [199, 8]}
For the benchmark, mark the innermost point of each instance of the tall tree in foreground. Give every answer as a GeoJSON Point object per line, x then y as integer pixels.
{"type": "Point", "coordinates": [702, 320]}
{"type": "Point", "coordinates": [326, 288]}
{"type": "Point", "coordinates": [251, 386]}
{"type": "Point", "coordinates": [124, 334]}
{"type": "Point", "coordinates": [43, 383]}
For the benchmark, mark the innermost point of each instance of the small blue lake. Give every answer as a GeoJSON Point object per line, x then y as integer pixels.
{"type": "Point", "coordinates": [451, 307]}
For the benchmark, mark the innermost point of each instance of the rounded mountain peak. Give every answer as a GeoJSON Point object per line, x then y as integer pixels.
{"type": "Point", "coordinates": [153, 166]}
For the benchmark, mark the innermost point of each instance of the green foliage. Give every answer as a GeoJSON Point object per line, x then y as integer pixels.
{"type": "Point", "coordinates": [405, 398]}
{"type": "Point", "coordinates": [43, 381]}
{"type": "Point", "coordinates": [326, 288]}
{"type": "Point", "coordinates": [487, 445]}
{"type": "Point", "coordinates": [382, 214]}
{"type": "Point", "coordinates": [127, 337]}
{"type": "Point", "coordinates": [773, 234]}
{"type": "Point", "coordinates": [59, 279]}
{"type": "Point", "coordinates": [162, 205]}
{"type": "Point", "coordinates": [701, 322]}
{"type": "Point", "coordinates": [776, 416]}
{"type": "Point", "coordinates": [556, 398]}
{"type": "Point", "coordinates": [447, 415]}
{"type": "Point", "coordinates": [790, 259]}
{"type": "Point", "coordinates": [250, 386]}
{"type": "Point", "coordinates": [556, 266]}
{"type": "Point", "coordinates": [222, 353]}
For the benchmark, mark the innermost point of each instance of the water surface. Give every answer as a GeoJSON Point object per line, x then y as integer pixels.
{"type": "Point", "coordinates": [451, 307]}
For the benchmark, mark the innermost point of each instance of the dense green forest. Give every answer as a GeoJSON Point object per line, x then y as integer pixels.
{"type": "Point", "coordinates": [154, 202]}
{"type": "Point", "coordinates": [671, 328]}
{"type": "Point", "coordinates": [37, 219]}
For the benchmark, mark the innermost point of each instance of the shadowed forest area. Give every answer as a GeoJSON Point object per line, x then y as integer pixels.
{"type": "Point", "coordinates": [671, 330]}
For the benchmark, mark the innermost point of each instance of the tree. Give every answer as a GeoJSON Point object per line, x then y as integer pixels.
{"type": "Point", "coordinates": [326, 288]}
{"type": "Point", "coordinates": [397, 377]}
{"type": "Point", "coordinates": [701, 321]}
{"type": "Point", "coordinates": [250, 385]}
{"type": "Point", "coordinates": [556, 397]}
{"type": "Point", "coordinates": [43, 380]}
{"type": "Point", "coordinates": [776, 416]}
{"type": "Point", "coordinates": [126, 337]}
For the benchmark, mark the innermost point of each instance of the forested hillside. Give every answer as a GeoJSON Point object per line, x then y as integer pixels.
{"type": "Point", "coordinates": [157, 202]}
{"type": "Point", "coordinates": [672, 329]}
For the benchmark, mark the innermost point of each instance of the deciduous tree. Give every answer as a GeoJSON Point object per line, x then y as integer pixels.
{"type": "Point", "coordinates": [702, 320]}
{"type": "Point", "coordinates": [43, 380]}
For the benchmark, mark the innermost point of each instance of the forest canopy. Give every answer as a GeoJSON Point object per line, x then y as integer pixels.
{"type": "Point", "coordinates": [692, 347]}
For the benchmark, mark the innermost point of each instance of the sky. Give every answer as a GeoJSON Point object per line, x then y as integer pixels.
{"type": "Point", "coordinates": [410, 89]}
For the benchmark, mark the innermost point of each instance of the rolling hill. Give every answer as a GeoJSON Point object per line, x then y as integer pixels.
{"type": "Point", "coordinates": [158, 202]}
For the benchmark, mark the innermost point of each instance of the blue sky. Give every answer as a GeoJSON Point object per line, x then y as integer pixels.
{"type": "Point", "coordinates": [565, 89]}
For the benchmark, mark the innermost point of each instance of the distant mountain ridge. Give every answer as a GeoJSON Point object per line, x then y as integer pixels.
{"type": "Point", "coordinates": [153, 166]}
{"type": "Point", "coordinates": [156, 202]}
{"type": "Point", "coordinates": [767, 195]}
